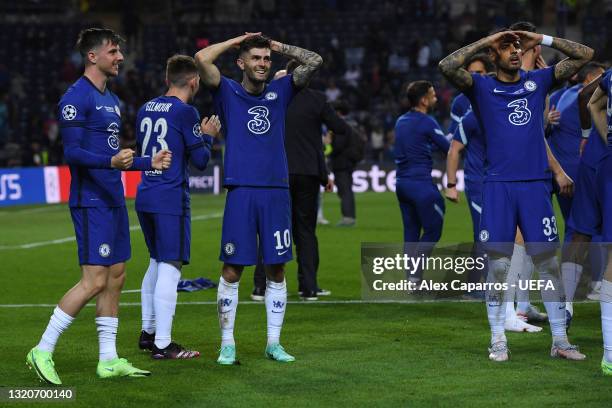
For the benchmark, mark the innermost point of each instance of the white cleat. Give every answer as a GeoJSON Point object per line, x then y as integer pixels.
{"type": "Point", "coordinates": [520, 326]}
{"type": "Point", "coordinates": [594, 293]}
{"type": "Point", "coordinates": [499, 351]}
{"type": "Point", "coordinates": [566, 351]}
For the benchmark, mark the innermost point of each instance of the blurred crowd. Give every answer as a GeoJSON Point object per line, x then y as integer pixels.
{"type": "Point", "coordinates": [365, 71]}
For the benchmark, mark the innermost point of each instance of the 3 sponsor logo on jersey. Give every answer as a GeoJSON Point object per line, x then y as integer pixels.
{"type": "Point", "coordinates": [270, 96]}
{"type": "Point", "coordinates": [104, 250]}
{"type": "Point", "coordinates": [229, 249]}
{"type": "Point", "coordinates": [260, 123]}
{"type": "Point", "coordinates": [69, 112]}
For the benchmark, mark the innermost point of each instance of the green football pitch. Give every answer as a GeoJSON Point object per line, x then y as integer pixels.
{"type": "Point", "coordinates": [348, 353]}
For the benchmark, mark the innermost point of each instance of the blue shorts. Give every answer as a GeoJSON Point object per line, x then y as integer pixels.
{"type": "Point", "coordinates": [102, 234]}
{"type": "Point", "coordinates": [585, 216]}
{"type": "Point", "coordinates": [523, 204]}
{"type": "Point", "coordinates": [168, 237]}
{"type": "Point", "coordinates": [253, 213]}
{"type": "Point", "coordinates": [604, 188]}
{"type": "Point", "coordinates": [422, 208]}
{"type": "Point", "coordinates": [473, 194]}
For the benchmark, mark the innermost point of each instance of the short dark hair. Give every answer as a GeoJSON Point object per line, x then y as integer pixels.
{"type": "Point", "coordinates": [258, 41]}
{"type": "Point", "coordinates": [589, 68]}
{"type": "Point", "coordinates": [416, 90]}
{"type": "Point", "coordinates": [523, 26]}
{"type": "Point", "coordinates": [180, 69]}
{"type": "Point", "coordinates": [292, 65]}
{"type": "Point", "coordinates": [499, 30]}
{"type": "Point", "coordinates": [91, 38]}
{"type": "Point", "coordinates": [482, 57]}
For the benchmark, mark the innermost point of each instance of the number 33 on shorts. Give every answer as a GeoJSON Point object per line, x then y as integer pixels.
{"type": "Point", "coordinates": [550, 227]}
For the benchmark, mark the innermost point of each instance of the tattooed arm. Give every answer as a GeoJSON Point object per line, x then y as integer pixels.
{"type": "Point", "coordinates": [309, 61]}
{"type": "Point", "coordinates": [453, 66]}
{"type": "Point", "coordinates": [598, 107]}
{"type": "Point", "coordinates": [578, 54]}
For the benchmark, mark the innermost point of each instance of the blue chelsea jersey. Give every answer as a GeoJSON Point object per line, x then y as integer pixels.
{"type": "Point", "coordinates": [254, 128]}
{"type": "Point", "coordinates": [606, 86]}
{"type": "Point", "coordinates": [460, 106]}
{"type": "Point", "coordinates": [96, 114]}
{"type": "Point", "coordinates": [168, 123]}
{"type": "Point", "coordinates": [566, 136]}
{"type": "Point", "coordinates": [511, 116]}
{"type": "Point", "coordinates": [470, 135]}
{"type": "Point", "coordinates": [415, 133]}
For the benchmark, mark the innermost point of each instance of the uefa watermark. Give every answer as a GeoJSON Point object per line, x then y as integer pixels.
{"type": "Point", "coordinates": [458, 272]}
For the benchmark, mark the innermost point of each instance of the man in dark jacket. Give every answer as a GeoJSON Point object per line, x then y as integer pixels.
{"type": "Point", "coordinates": [306, 114]}
{"type": "Point", "coordinates": [346, 153]}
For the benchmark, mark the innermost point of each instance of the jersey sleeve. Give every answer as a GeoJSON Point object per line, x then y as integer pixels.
{"type": "Point", "coordinates": [438, 137]}
{"type": "Point", "coordinates": [459, 134]}
{"type": "Point", "coordinates": [545, 78]}
{"type": "Point", "coordinates": [473, 93]}
{"type": "Point", "coordinates": [456, 113]}
{"type": "Point", "coordinates": [286, 88]}
{"type": "Point", "coordinates": [73, 111]}
{"type": "Point", "coordinates": [197, 144]}
{"type": "Point", "coordinates": [190, 128]}
{"type": "Point", "coordinates": [220, 94]}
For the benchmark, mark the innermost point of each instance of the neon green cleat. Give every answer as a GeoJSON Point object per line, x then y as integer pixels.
{"type": "Point", "coordinates": [42, 363]}
{"type": "Point", "coordinates": [227, 355]}
{"type": "Point", "coordinates": [119, 367]}
{"type": "Point", "coordinates": [278, 353]}
{"type": "Point", "coordinates": [606, 368]}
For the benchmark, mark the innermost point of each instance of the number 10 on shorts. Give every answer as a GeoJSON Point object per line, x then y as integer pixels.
{"type": "Point", "coordinates": [286, 240]}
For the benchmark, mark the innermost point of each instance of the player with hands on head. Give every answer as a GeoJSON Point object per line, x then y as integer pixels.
{"type": "Point", "coordinates": [258, 208]}
{"type": "Point", "coordinates": [516, 192]}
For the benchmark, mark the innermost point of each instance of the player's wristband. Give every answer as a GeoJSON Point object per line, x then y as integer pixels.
{"type": "Point", "coordinates": [586, 133]}
{"type": "Point", "coordinates": [547, 40]}
{"type": "Point", "coordinates": [451, 185]}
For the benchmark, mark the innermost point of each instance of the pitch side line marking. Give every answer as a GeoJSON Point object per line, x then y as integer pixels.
{"type": "Point", "coordinates": [250, 302]}
{"type": "Point", "coordinates": [33, 210]}
{"type": "Point", "coordinates": [72, 238]}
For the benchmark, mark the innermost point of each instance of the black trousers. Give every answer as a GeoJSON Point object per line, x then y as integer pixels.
{"type": "Point", "coordinates": [304, 205]}
{"type": "Point", "coordinates": [344, 182]}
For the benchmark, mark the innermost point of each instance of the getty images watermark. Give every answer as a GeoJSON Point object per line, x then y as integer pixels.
{"type": "Point", "coordinates": [422, 271]}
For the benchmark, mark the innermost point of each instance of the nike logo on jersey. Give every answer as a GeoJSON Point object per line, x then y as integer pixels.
{"type": "Point", "coordinates": [99, 107]}
{"type": "Point", "coordinates": [551, 239]}
{"type": "Point", "coordinates": [283, 253]}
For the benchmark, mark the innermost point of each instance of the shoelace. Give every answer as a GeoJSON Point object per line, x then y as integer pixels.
{"type": "Point", "coordinates": [225, 349]}
{"type": "Point", "coordinates": [568, 347]}
{"type": "Point", "coordinates": [499, 346]}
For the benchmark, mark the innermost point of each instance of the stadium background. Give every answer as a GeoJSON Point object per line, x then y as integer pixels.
{"type": "Point", "coordinates": [358, 353]}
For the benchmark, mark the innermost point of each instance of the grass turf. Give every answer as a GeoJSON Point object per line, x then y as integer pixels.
{"type": "Point", "coordinates": [351, 354]}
